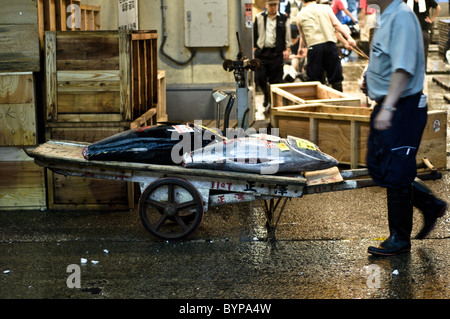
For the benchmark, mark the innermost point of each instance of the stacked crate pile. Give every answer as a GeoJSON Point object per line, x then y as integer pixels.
{"type": "Point", "coordinates": [98, 83]}
{"type": "Point", "coordinates": [443, 29]}
{"type": "Point", "coordinates": [22, 183]}
{"type": "Point", "coordinates": [22, 27]}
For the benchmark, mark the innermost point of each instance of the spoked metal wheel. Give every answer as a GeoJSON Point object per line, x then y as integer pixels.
{"type": "Point", "coordinates": [171, 208]}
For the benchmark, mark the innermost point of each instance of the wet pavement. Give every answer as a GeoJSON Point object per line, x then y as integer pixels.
{"type": "Point", "coordinates": [320, 252]}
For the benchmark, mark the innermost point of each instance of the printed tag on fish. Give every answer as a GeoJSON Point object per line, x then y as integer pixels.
{"type": "Point", "coordinates": [183, 129]}
{"type": "Point", "coordinates": [305, 144]}
{"type": "Point", "coordinates": [283, 147]}
{"type": "Point", "coordinates": [423, 101]}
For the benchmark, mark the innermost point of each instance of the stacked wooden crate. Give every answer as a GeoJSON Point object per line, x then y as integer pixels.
{"type": "Point", "coordinates": [97, 83]}
{"type": "Point", "coordinates": [443, 29]}
{"type": "Point", "coordinates": [22, 183]}
{"type": "Point", "coordinates": [342, 131]}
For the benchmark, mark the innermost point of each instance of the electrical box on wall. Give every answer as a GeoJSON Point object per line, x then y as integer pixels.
{"type": "Point", "coordinates": [206, 23]}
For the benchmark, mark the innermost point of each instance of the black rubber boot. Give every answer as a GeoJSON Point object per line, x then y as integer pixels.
{"type": "Point", "coordinates": [431, 207]}
{"type": "Point", "coordinates": [400, 217]}
{"type": "Point", "coordinates": [337, 86]}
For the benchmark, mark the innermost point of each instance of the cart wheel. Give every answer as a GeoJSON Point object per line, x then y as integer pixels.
{"type": "Point", "coordinates": [171, 208]}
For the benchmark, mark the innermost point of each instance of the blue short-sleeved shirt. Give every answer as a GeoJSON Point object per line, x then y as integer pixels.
{"type": "Point", "coordinates": [397, 44]}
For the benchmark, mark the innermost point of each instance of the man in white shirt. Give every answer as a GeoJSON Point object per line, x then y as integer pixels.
{"type": "Point", "coordinates": [318, 25]}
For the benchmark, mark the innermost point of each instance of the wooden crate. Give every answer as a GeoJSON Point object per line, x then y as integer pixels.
{"type": "Point", "coordinates": [342, 132]}
{"type": "Point", "coordinates": [19, 48]}
{"type": "Point", "coordinates": [144, 71]}
{"type": "Point", "coordinates": [443, 27]}
{"type": "Point", "coordinates": [161, 108]}
{"type": "Point", "coordinates": [61, 15]}
{"type": "Point", "coordinates": [22, 183]}
{"type": "Point", "coordinates": [78, 193]}
{"type": "Point", "coordinates": [17, 109]}
{"type": "Point", "coordinates": [97, 77]}
{"type": "Point", "coordinates": [307, 93]}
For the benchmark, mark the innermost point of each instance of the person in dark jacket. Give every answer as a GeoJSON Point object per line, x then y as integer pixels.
{"type": "Point", "coordinates": [272, 41]}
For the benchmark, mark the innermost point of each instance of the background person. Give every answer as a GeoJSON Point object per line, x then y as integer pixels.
{"type": "Point", "coordinates": [317, 25]}
{"type": "Point", "coordinates": [272, 42]}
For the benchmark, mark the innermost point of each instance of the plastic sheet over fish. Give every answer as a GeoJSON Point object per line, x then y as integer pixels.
{"type": "Point", "coordinates": [262, 154]}
{"type": "Point", "coordinates": [158, 144]}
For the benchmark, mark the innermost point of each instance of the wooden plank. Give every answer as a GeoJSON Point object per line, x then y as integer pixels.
{"type": "Point", "coordinates": [161, 113]}
{"type": "Point", "coordinates": [309, 92]}
{"type": "Point", "coordinates": [144, 35]}
{"type": "Point", "coordinates": [22, 198]}
{"type": "Point", "coordinates": [50, 15]}
{"type": "Point", "coordinates": [19, 48]}
{"type": "Point", "coordinates": [22, 185]}
{"type": "Point", "coordinates": [50, 76]}
{"type": "Point", "coordinates": [18, 12]}
{"type": "Point", "coordinates": [20, 174]}
{"type": "Point", "coordinates": [77, 191]}
{"type": "Point", "coordinates": [89, 75]}
{"type": "Point", "coordinates": [325, 112]}
{"type": "Point", "coordinates": [41, 24]}
{"type": "Point", "coordinates": [18, 124]}
{"type": "Point", "coordinates": [87, 51]}
{"type": "Point", "coordinates": [16, 88]}
{"type": "Point", "coordinates": [97, 20]}
{"type": "Point", "coordinates": [147, 119]}
{"type": "Point", "coordinates": [80, 118]}
{"type": "Point", "coordinates": [83, 134]}
{"type": "Point", "coordinates": [125, 75]}
{"type": "Point", "coordinates": [88, 81]}
{"type": "Point", "coordinates": [88, 102]}
{"type": "Point", "coordinates": [61, 15]}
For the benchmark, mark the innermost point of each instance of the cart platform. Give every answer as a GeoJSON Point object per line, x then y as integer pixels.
{"type": "Point", "coordinates": [174, 198]}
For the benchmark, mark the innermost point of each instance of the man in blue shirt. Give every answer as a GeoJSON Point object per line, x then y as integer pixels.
{"type": "Point", "coordinates": [394, 80]}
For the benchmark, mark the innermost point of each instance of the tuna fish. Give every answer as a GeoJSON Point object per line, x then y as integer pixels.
{"type": "Point", "coordinates": [158, 144]}
{"type": "Point", "coordinates": [262, 154]}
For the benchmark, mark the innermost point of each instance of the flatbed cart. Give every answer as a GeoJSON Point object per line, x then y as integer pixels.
{"type": "Point", "coordinates": [174, 199]}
